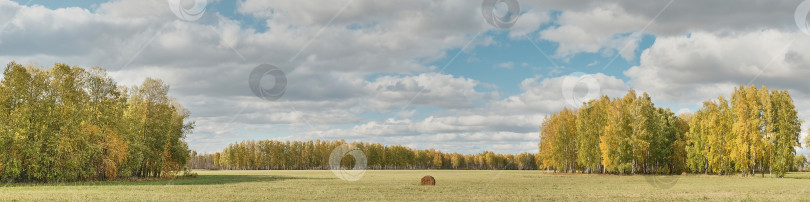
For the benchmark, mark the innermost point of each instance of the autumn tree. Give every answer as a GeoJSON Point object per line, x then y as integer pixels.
{"type": "Point", "coordinates": [590, 127]}
{"type": "Point", "coordinates": [296, 155]}
{"type": "Point", "coordinates": [799, 163]}
{"type": "Point", "coordinates": [69, 123]}
{"type": "Point", "coordinates": [757, 131]}
{"type": "Point", "coordinates": [784, 130]}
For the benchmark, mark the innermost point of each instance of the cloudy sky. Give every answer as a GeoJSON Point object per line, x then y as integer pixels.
{"type": "Point", "coordinates": [421, 73]}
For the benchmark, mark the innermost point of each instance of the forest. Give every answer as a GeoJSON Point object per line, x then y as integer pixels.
{"type": "Point", "coordinates": [756, 131]}
{"type": "Point", "coordinates": [66, 123]}
{"type": "Point", "coordinates": [314, 155]}
{"type": "Point", "coordinates": [298, 155]}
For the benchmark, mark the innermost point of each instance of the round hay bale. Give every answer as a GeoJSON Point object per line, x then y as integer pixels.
{"type": "Point", "coordinates": [428, 180]}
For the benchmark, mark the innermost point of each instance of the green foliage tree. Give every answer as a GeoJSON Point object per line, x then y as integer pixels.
{"type": "Point", "coordinates": [624, 135]}
{"type": "Point", "coordinates": [800, 163]}
{"type": "Point", "coordinates": [697, 155]}
{"type": "Point", "coordinates": [590, 127]}
{"type": "Point", "coordinates": [785, 132]}
{"type": "Point", "coordinates": [565, 154]}
{"type": "Point", "coordinates": [69, 124]}
{"type": "Point", "coordinates": [746, 128]}
{"type": "Point", "coordinates": [757, 131]}
{"type": "Point", "coordinates": [266, 155]}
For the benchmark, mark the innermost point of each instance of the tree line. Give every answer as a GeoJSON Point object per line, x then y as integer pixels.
{"type": "Point", "coordinates": [297, 155]}
{"type": "Point", "coordinates": [73, 124]}
{"type": "Point", "coordinates": [757, 131]}
{"type": "Point", "coordinates": [623, 135]}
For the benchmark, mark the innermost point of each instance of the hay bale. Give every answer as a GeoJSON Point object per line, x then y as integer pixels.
{"type": "Point", "coordinates": [428, 180]}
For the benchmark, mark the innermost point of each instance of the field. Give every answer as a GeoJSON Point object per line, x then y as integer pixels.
{"type": "Point", "coordinates": [402, 185]}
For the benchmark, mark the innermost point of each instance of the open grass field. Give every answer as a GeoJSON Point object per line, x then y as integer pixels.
{"type": "Point", "coordinates": [403, 185]}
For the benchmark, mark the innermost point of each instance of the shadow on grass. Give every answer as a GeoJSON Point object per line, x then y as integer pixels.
{"type": "Point", "coordinates": [199, 180]}
{"type": "Point", "coordinates": [798, 175]}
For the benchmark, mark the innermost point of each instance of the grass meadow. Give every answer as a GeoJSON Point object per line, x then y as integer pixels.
{"type": "Point", "coordinates": [403, 185]}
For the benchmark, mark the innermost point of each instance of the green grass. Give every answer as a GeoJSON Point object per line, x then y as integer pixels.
{"type": "Point", "coordinates": [403, 185]}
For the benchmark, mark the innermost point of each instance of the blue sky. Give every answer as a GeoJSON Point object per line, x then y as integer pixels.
{"type": "Point", "coordinates": [425, 74]}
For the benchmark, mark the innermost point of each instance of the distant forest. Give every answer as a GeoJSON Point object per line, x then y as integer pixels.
{"type": "Point", "coordinates": [72, 124]}
{"type": "Point", "coordinates": [297, 155]}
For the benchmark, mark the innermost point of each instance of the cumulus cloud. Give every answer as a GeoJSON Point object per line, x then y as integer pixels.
{"type": "Point", "coordinates": [701, 65]}
{"type": "Point", "coordinates": [441, 124]}
{"type": "Point", "coordinates": [528, 22]}
{"type": "Point", "coordinates": [429, 89]}
{"type": "Point", "coordinates": [615, 27]}
{"type": "Point", "coordinates": [602, 29]}
{"type": "Point", "coordinates": [677, 17]}
{"type": "Point", "coordinates": [547, 96]}
{"type": "Point", "coordinates": [352, 64]}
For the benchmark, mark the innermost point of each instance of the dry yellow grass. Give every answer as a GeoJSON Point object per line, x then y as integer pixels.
{"type": "Point", "coordinates": [403, 185]}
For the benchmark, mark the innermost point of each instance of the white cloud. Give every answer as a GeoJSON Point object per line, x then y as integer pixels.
{"type": "Point", "coordinates": [616, 27]}
{"type": "Point", "coordinates": [451, 133]}
{"type": "Point", "coordinates": [428, 89]}
{"type": "Point", "coordinates": [507, 65]}
{"type": "Point", "coordinates": [706, 65]}
{"type": "Point", "coordinates": [546, 95]}
{"type": "Point", "coordinates": [684, 111]}
{"type": "Point", "coordinates": [528, 22]}
{"type": "Point", "coordinates": [603, 29]}
{"type": "Point", "coordinates": [677, 17]}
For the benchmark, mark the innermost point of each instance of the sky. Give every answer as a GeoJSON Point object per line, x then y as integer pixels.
{"type": "Point", "coordinates": [455, 75]}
